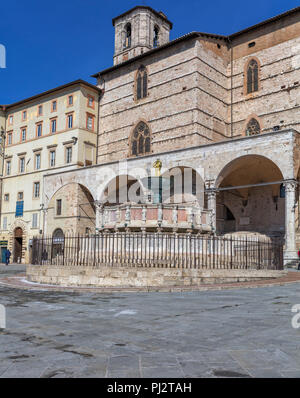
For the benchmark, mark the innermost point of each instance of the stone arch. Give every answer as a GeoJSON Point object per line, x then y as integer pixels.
{"type": "Point", "coordinates": [77, 209]}
{"type": "Point", "coordinates": [243, 160]}
{"type": "Point", "coordinates": [58, 233]}
{"type": "Point", "coordinates": [56, 182]}
{"type": "Point", "coordinates": [58, 237]}
{"type": "Point", "coordinates": [22, 225]}
{"type": "Point", "coordinates": [185, 185]}
{"type": "Point", "coordinates": [253, 199]}
{"type": "Point", "coordinates": [122, 188]}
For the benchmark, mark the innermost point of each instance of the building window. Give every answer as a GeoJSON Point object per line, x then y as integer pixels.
{"type": "Point", "coordinates": [127, 42]}
{"type": "Point", "coordinates": [70, 100]}
{"type": "Point", "coordinates": [23, 134]}
{"type": "Point", "coordinates": [252, 76]}
{"type": "Point", "coordinates": [70, 121]}
{"type": "Point", "coordinates": [282, 191]}
{"type": "Point", "coordinates": [156, 37]}
{"type": "Point", "coordinates": [140, 140]}
{"type": "Point", "coordinates": [58, 207]}
{"type": "Point", "coordinates": [141, 83]}
{"type": "Point", "coordinates": [6, 197]}
{"type": "Point", "coordinates": [54, 106]}
{"type": "Point", "coordinates": [20, 195]}
{"type": "Point", "coordinates": [91, 102]}
{"type": "Point", "coordinates": [4, 223]}
{"type": "Point", "coordinates": [68, 154]}
{"type": "Point", "coordinates": [10, 119]}
{"type": "Point", "coordinates": [36, 190]}
{"type": "Point", "coordinates": [24, 115]}
{"type": "Point", "coordinates": [37, 161]}
{"type": "Point", "coordinates": [253, 127]}
{"type": "Point", "coordinates": [8, 167]}
{"type": "Point", "coordinates": [53, 126]}
{"type": "Point", "coordinates": [52, 158]}
{"type": "Point", "coordinates": [40, 110]}
{"type": "Point", "coordinates": [9, 138]}
{"type": "Point", "coordinates": [90, 122]}
{"type": "Point", "coordinates": [39, 130]}
{"type": "Point", "coordinates": [22, 165]}
{"type": "Point", "coordinates": [34, 220]}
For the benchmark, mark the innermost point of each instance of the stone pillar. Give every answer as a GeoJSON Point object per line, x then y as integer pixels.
{"type": "Point", "coordinates": [144, 214]}
{"type": "Point", "coordinates": [212, 203]}
{"type": "Point", "coordinates": [290, 253]}
{"type": "Point", "coordinates": [127, 215]}
{"type": "Point", "coordinates": [212, 206]}
{"type": "Point", "coordinates": [99, 216]}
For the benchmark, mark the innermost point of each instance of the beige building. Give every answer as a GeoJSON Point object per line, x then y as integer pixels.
{"type": "Point", "coordinates": [50, 132]}
{"type": "Point", "coordinates": [222, 111]}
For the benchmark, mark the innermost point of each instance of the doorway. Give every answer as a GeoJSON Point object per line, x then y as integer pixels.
{"type": "Point", "coordinates": [3, 256]}
{"type": "Point", "coordinates": [18, 243]}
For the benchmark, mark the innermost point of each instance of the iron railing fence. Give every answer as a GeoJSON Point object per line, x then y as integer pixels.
{"type": "Point", "coordinates": [158, 250]}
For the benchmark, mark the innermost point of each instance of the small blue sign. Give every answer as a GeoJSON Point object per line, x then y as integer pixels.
{"type": "Point", "coordinates": [19, 208]}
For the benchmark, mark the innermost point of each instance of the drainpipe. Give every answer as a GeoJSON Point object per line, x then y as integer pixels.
{"type": "Point", "coordinates": [98, 126]}
{"type": "Point", "coordinates": [231, 88]}
{"type": "Point", "coordinates": [3, 136]}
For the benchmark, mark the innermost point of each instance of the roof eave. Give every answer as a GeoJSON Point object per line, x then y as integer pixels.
{"type": "Point", "coordinates": [48, 92]}
{"type": "Point", "coordinates": [146, 8]}
{"type": "Point", "coordinates": [160, 48]}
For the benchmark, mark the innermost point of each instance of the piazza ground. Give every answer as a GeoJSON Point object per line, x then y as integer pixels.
{"type": "Point", "coordinates": [220, 333]}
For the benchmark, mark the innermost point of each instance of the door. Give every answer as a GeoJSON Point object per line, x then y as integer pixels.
{"type": "Point", "coordinates": [18, 242]}
{"type": "Point", "coordinates": [3, 258]}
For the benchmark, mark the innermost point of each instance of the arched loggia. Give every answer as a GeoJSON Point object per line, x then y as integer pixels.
{"type": "Point", "coordinates": [250, 187]}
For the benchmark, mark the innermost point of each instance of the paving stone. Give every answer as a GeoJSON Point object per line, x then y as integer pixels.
{"type": "Point", "coordinates": [162, 372]}
{"type": "Point", "coordinates": [124, 373]}
{"type": "Point", "coordinates": [25, 370]}
{"type": "Point", "coordinates": [123, 362]}
{"type": "Point", "coordinates": [294, 374]}
{"type": "Point", "coordinates": [154, 360]}
{"type": "Point", "coordinates": [265, 373]}
{"type": "Point", "coordinates": [4, 365]}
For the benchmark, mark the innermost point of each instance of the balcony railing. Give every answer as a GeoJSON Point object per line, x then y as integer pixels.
{"type": "Point", "coordinates": [160, 217]}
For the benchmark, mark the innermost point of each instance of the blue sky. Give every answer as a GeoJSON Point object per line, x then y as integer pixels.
{"type": "Point", "coordinates": [49, 43]}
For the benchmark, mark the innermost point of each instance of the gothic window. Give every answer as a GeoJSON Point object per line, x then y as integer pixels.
{"type": "Point", "coordinates": [140, 140]}
{"type": "Point", "coordinates": [253, 127]}
{"type": "Point", "coordinates": [127, 42]}
{"type": "Point", "coordinates": [156, 37]}
{"type": "Point", "coordinates": [141, 83]}
{"type": "Point", "coordinates": [252, 76]}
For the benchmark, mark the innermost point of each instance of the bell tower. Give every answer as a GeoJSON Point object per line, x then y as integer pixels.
{"type": "Point", "coordinates": [139, 30]}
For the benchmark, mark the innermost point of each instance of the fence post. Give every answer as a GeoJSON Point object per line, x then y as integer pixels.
{"type": "Point", "coordinates": [64, 249]}
{"type": "Point", "coordinates": [259, 254]}
{"type": "Point", "coordinates": [51, 249]}
{"type": "Point", "coordinates": [231, 251]}
{"type": "Point", "coordinates": [246, 243]}
{"type": "Point", "coordinates": [94, 260]}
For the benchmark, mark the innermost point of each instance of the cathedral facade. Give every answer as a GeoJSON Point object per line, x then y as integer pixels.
{"type": "Point", "coordinates": [196, 135]}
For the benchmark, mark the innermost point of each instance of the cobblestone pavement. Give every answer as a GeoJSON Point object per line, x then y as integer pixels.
{"type": "Point", "coordinates": [221, 333]}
